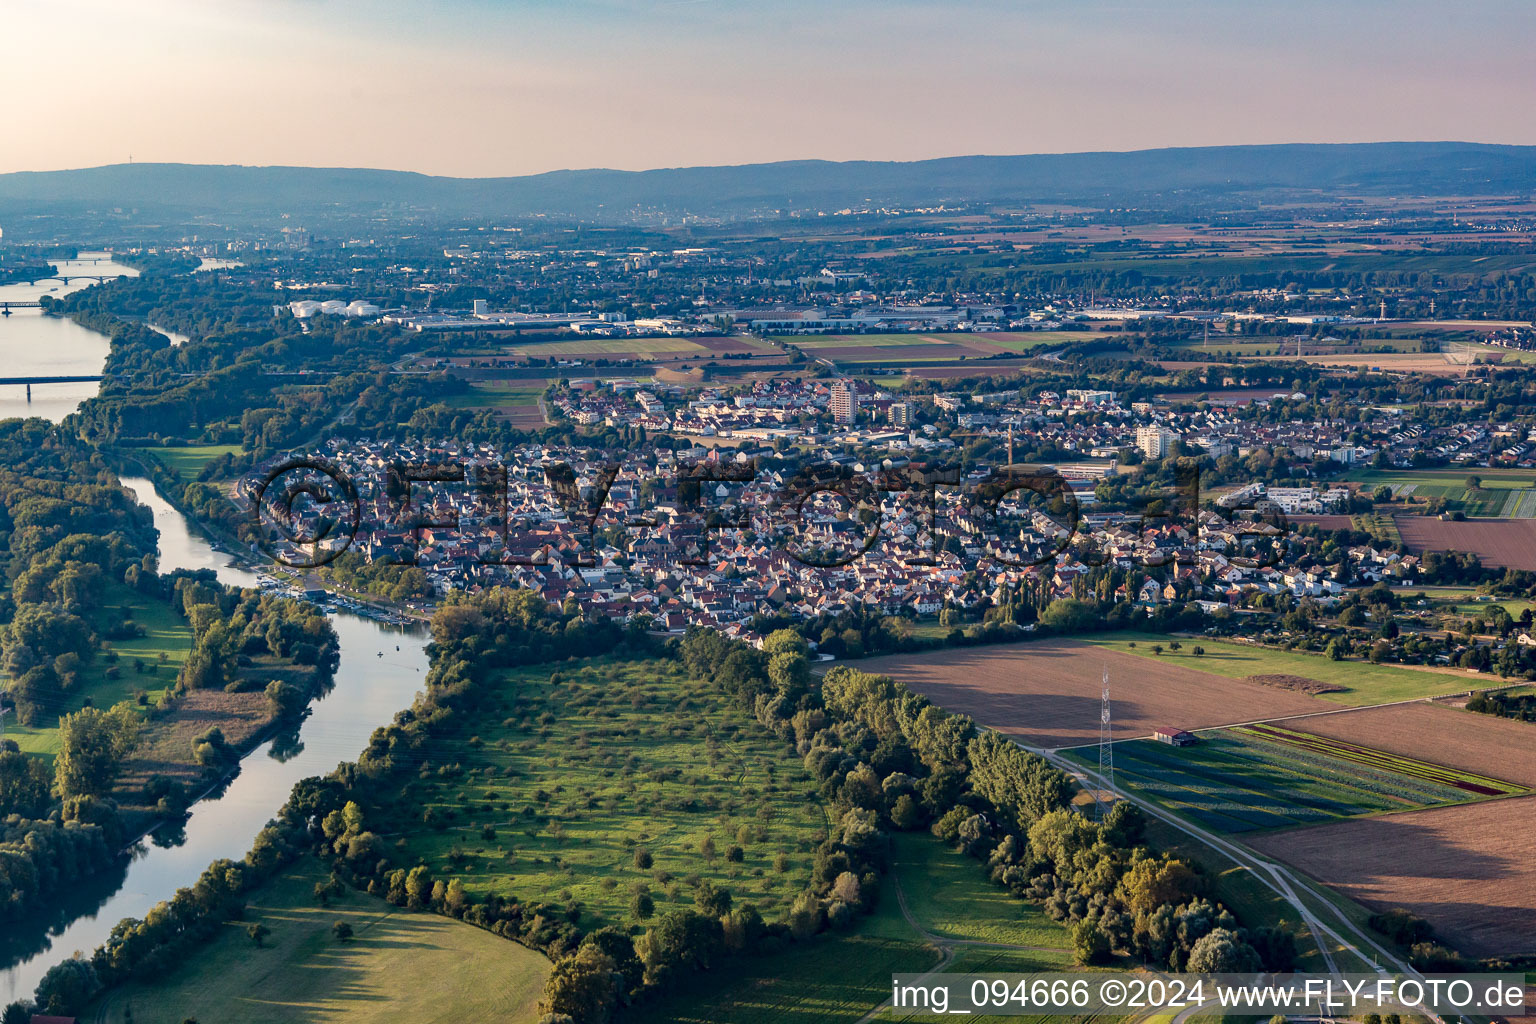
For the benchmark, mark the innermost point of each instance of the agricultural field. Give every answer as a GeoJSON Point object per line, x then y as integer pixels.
{"type": "Point", "coordinates": [610, 348]}
{"type": "Point", "coordinates": [1388, 362]}
{"type": "Point", "coordinates": [1264, 777]}
{"type": "Point", "coordinates": [1467, 869]}
{"type": "Point", "coordinates": [1361, 682]}
{"type": "Point", "coordinates": [399, 965]}
{"type": "Point", "coordinates": [1312, 349]}
{"type": "Point", "coordinates": [1047, 693]}
{"type": "Point", "coordinates": [563, 789]}
{"type": "Point", "coordinates": [920, 350]}
{"type": "Point", "coordinates": [1509, 493]}
{"type": "Point", "coordinates": [1464, 740]}
{"type": "Point", "coordinates": [516, 400]}
{"type": "Point", "coordinates": [188, 461]}
{"type": "Point", "coordinates": [1028, 341]}
{"type": "Point", "coordinates": [1498, 543]}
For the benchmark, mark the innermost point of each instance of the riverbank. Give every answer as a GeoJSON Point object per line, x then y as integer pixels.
{"type": "Point", "coordinates": [171, 487]}
{"type": "Point", "coordinates": [381, 669]}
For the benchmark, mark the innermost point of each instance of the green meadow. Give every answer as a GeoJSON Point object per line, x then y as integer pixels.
{"type": "Point", "coordinates": [400, 965]}
{"type": "Point", "coordinates": [1363, 682]}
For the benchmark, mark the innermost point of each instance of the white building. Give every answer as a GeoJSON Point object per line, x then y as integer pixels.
{"type": "Point", "coordinates": [1155, 440]}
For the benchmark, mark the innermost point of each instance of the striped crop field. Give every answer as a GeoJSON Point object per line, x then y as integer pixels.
{"type": "Point", "coordinates": [1251, 779]}
{"type": "Point", "coordinates": [1478, 785]}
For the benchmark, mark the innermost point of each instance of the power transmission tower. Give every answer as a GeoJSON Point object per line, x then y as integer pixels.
{"type": "Point", "coordinates": [1106, 750]}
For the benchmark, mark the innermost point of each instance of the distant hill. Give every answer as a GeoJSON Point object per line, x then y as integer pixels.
{"type": "Point", "coordinates": [1155, 177]}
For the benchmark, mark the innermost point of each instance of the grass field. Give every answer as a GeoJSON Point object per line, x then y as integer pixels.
{"type": "Point", "coordinates": [517, 400]}
{"type": "Point", "coordinates": [188, 462]}
{"type": "Point", "coordinates": [1238, 345]}
{"type": "Point", "coordinates": [1380, 527]}
{"type": "Point", "coordinates": [1241, 780]}
{"type": "Point", "coordinates": [950, 895]}
{"type": "Point", "coordinates": [400, 966]}
{"type": "Point", "coordinates": [549, 795]}
{"type": "Point", "coordinates": [841, 977]}
{"type": "Point", "coordinates": [1468, 601]}
{"type": "Point", "coordinates": [166, 633]}
{"type": "Point", "coordinates": [1363, 682]}
{"type": "Point", "coordinates": [836, 979]}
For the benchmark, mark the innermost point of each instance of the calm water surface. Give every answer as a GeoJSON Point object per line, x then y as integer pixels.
{"type": "Point", "coordinates": [33, 345]}
{"type": "Point", "coordinates": [374, 680]}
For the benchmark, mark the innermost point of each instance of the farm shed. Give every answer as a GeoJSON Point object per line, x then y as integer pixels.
{"type": "Point", "coordinates": [1175, 737]}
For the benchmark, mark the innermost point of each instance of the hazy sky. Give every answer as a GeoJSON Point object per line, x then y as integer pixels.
{"type": "Point", "coordinates": [488, 87]}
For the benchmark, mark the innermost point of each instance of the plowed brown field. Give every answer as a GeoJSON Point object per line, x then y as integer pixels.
{"type": "Point", "coordinates": [1497, 747]}
{"type": "Point", "coordinates": [1466, 870]}
{"type": "Point", "coordinates": [1497, 543]}
{"type": "Point", "coordinates": [1047, 693]}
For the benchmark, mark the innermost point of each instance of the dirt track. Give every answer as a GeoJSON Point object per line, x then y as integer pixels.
{"type": "Point", "coordinates": [1496, 747]}
{"type": "Point", "coordinates": [1466, 870]}
{"type": "Point", "coordinates": [1047, 693]}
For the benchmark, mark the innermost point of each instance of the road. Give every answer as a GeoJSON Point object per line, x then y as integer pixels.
{"type": "Point", "coordinates": [1277, 877]}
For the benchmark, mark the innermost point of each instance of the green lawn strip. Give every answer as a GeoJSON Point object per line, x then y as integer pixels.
{"type": "Point", "coordinates": [1364, 683]}
{"type": "Point", "coordinates": [842, 976]}
{"type": "Point", "coordinates": [400, 965]}
{"type": "Point", "coordinates": [188, 461]}
{"type": "Point", "coordinates": [496, 395]}
{"type": "Point", "coordinates": [547, 794]}
{"type": "Point", "coordinates": [950, 896]}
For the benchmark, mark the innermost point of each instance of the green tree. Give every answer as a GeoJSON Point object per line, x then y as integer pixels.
{"type": "Point", "coordinates": [1221, 951]}
{"type": "Point", "coordinates": [92, 744]}
{"type": "Point", "coordinates": [583, 985]}
{"type": "Point", "coordinates": [1089, 943]}
{"type": "Point", "coordinates": [23, 784]}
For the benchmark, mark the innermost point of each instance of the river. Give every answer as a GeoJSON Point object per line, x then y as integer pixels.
{"type": "Point", "coordinates": [33, 345]}
{"type": "Point", "coordinates": [381, 670]}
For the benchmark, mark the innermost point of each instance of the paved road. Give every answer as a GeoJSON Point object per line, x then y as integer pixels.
{"type": "Point", "coordinates": [1276, 877]}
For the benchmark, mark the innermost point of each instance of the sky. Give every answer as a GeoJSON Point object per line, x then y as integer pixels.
{"type": "Point", "coordinates": [503, 87]}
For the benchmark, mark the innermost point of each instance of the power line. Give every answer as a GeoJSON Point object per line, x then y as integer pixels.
{"type": "Point", "coordinates": [1106, 749]}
